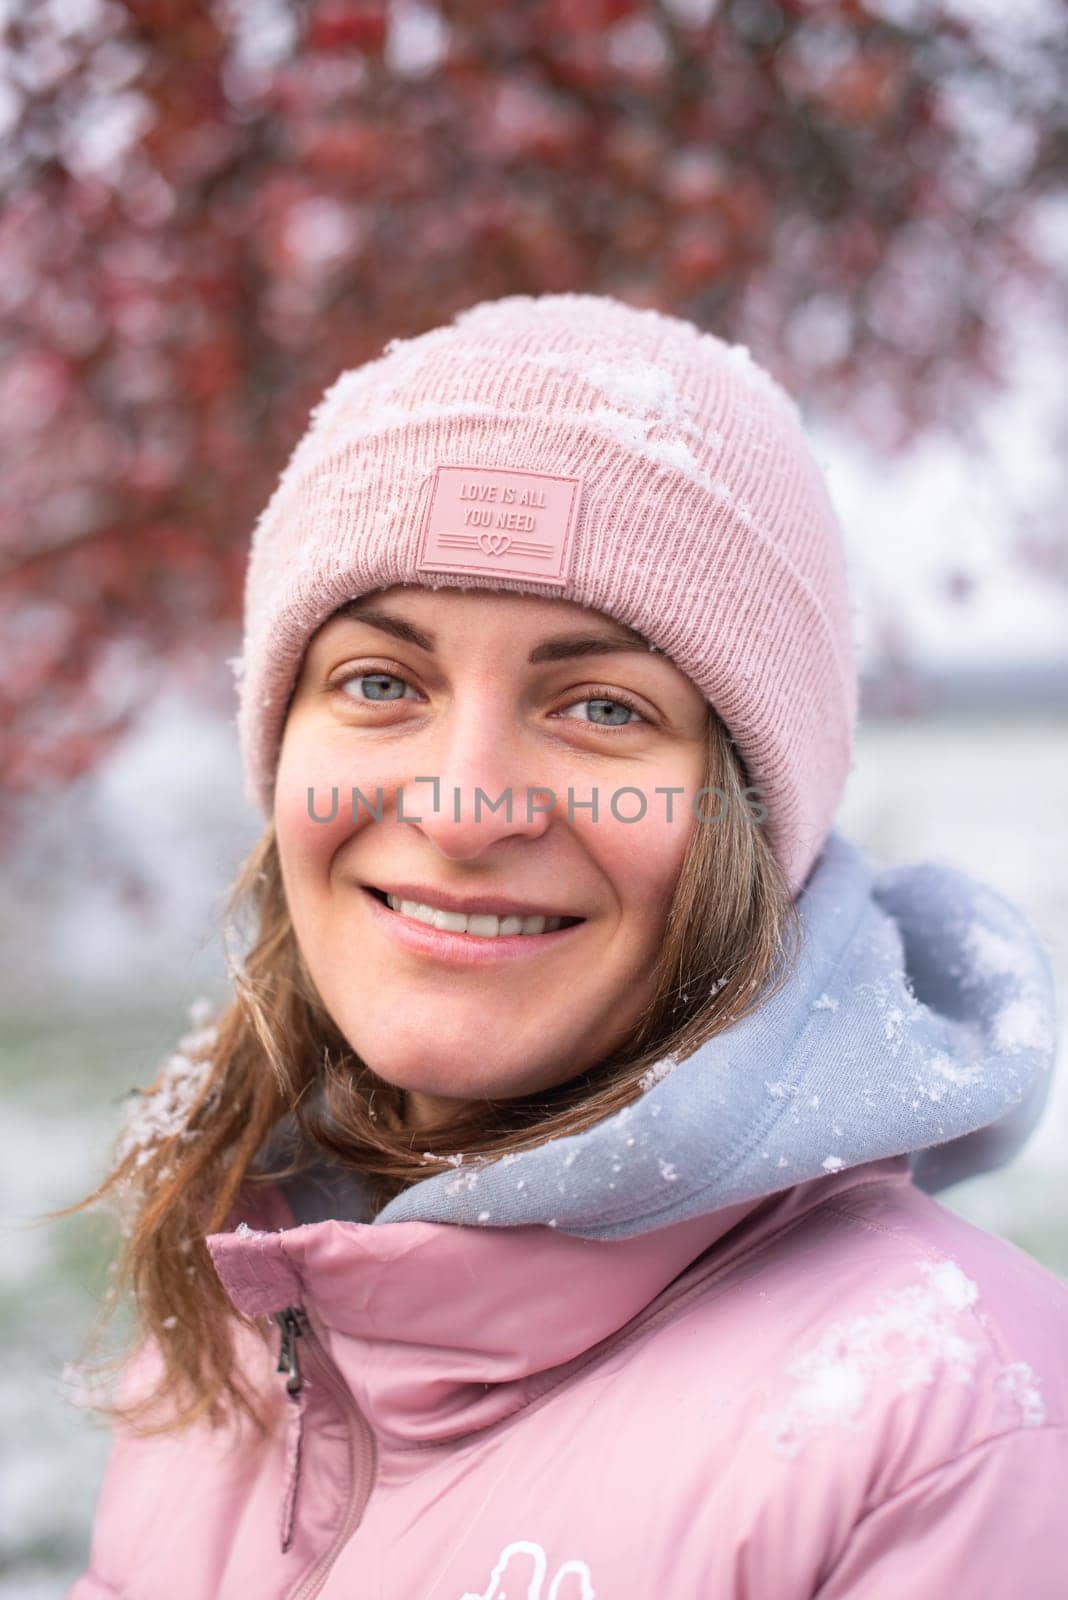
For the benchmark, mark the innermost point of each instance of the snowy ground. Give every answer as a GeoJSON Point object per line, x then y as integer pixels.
{"type": "Point", "coordinates": [990, 796]}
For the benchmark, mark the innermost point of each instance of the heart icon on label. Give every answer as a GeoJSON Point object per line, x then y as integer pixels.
{"type": "Point", "coordinates": [494, 544]}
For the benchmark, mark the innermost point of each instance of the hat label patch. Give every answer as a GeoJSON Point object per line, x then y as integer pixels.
{"type": "Point", "coordinates": [501, 522]}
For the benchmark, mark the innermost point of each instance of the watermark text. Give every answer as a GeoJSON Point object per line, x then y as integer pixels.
{"type": "Point", "coordinates": [626, 804]}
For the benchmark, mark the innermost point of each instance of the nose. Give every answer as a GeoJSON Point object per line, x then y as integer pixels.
{"type": "Point", "coordinates": [484, 784]}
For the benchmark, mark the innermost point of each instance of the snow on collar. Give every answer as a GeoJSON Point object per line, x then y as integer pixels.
{"type": "Point", "coordinates": [919, 1019]}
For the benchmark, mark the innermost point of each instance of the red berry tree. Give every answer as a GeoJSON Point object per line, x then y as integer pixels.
{"type": "Point", "coordinates": [209, 210]}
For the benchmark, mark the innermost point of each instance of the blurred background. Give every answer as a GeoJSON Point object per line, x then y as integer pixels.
{"type": "Point", "coordinates": [208, 210]}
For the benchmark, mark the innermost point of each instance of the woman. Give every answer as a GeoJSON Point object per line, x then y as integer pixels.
{"type": "Point", "coordinates": [550, 1215]}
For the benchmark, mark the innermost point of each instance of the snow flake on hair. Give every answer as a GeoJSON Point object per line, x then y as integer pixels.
{"type": "Point", "coordinates": [162, 1112]}
{"type": "Point", "coordinates": [655, 1073]}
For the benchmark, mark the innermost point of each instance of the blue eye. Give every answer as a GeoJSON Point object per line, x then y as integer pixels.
{"type": "Point", "coordinates": [602, 704]}
{"type": "Point", "coordinates": [383, 686]}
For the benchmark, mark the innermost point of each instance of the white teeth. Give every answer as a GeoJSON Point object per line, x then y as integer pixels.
{"type": "Point", "coordinates": [411, 908]}
{"type": "Point", "coordinates": [480, 924]}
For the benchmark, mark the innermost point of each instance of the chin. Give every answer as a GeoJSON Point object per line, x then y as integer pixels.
{"type": "Point", "coordinates": [430, 1069]}
{"type": "Point", "coordinates": [454, 1077]}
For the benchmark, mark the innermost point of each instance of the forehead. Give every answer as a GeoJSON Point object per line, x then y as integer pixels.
{"type": "Point", "coordinates": [462, 606]}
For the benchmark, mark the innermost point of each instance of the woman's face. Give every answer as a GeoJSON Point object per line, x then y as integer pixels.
{"type": "Point", "coordinates": [510, 695]}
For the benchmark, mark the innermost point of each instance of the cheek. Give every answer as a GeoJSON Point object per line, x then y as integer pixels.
{"type": "Point", "coordinates": [642, 859]}
{"type": "Point", "coordinates": [309, 830]}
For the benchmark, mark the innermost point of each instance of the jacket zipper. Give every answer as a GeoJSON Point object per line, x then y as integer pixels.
{"type": "Point", "coordinates": [363, 1455]}
{"type": "Point", "coordinates": [291, 1321]}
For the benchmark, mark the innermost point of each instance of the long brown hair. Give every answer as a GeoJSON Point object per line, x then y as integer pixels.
{"type": "Point", "coordinates": [189, 1147]}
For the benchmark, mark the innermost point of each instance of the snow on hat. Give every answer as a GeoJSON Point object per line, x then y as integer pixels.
{"type": "Point", "coordinates": [575, 447]}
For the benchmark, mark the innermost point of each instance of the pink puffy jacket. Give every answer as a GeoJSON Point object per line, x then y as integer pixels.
{"type": "Point", "coordinates": [845, 1391]}
{"type": "Point", "coordinates": [829, 1387]}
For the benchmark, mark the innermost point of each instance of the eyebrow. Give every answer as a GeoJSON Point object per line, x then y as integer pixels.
{"type": "Point", "coordinates": [561, 648]}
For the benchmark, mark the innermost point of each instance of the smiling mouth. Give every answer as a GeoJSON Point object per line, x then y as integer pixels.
{"type": "Point", "coordinates": [477, 925]}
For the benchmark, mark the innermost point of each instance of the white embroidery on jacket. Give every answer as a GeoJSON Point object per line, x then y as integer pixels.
{"type": "Point", "coordinates": [530, 1584]}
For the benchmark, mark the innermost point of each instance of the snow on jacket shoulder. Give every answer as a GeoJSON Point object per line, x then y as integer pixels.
{"type": "Point", "coordinates": [722, 1346]}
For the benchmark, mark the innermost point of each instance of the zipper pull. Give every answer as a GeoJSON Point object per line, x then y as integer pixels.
{"type": "Point", "coordinates": [292, 1323]}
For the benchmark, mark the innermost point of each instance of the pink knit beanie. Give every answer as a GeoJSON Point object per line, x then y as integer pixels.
{"type": "Point", "coordinates": [573, 446]}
